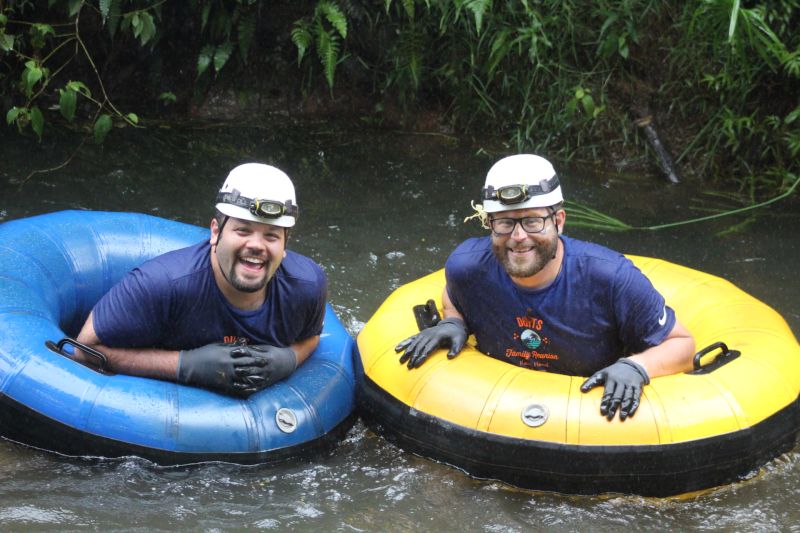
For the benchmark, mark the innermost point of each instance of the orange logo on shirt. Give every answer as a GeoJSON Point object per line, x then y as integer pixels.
{"type": "Point", "coordinates": [234, 339]}
{"type": "Point", "coordinates": [531, 340]}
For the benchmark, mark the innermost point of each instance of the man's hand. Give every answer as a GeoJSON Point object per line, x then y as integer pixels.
{"type": "Point", "coordinates": [450, 332]}
{"type": "Point", "coordinates": [623, 387]}
{"type": "Point", "coordinates": [227, 368]}
{"type": "Point", "coordinates": [271, 364]}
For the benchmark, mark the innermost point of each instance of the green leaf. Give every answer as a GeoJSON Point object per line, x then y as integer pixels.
{"type": "Point", "coordinates": [168, 97]}
{"type": "Point", "coordinates": [67, 103]}
{"type": "Point", "coordinates": [101, 127]}
{"type": "Point", "coordinates": [733, 19]}
{"type": "Point", "coordinates": [39, 32]}
{"type": "Point", "coordinates": [622, 45]}
{"type": "Point", "coordinates": [479, 8]}
{"type": "Point", "coordinates": [43, 29]}
{"type": "Point", "coordinates": [12, 115]}
{"type": "Point", "coordinates": [79, 87]}
{"type": "Point", "coordinates": [74, 7]}
{"type": "Point", "coordinates": [222, 54]}
{"type": "Point", "coordinates": [6, 42]}
{"type": "Point", "coordinates": [30, 76]}
{"type": "Point", "coordinates": [147, 28]}
{"type": "Point", "coordinates": [791, 117]}
{"type": "Point", "coordinates": [204, 59]}
{"type": "Point", "coordinates": [301, 38]}
{"type": "Point", "coordinates": [334, 16]}
{"type": "Point", "coordinates": [105, 6]}
{"type": "Point", "coordinates": [133, 117]}
{"type": "Point", "coordinates": [588, 105]}
{"type": "Point", "coordinates": [204, 16]}
{"type": "Point", "coordinates": [500, 48]}
{"type": "Point", "coordinates": [114, 16]}
{"type": "Point", "coordinates": [37, 121]}
{"type": "Point", "coordinates": [408, 5]}
{"type": "Point", "coordinates": [328, 51]}
{"type": "Point", "coordinates": [3, 19]}
{"type": "Point", "coordinates": [571, 106]}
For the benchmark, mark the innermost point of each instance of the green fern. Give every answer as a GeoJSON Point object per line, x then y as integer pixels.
{"type": "Point", "coordinates": [204, 59]}
{"type": "Point", "coordinates": [301, 37]}
{"type": "Point", "coordinates": [334, 16]}
{"type": "Point", "coordinates": [501, 45]}
{"type": "Point", "coordinates": [326, 30]}
{"type": "Point", "coordinates": [222, 54]}
{"type": "Point", "coordinates": [328, 52]}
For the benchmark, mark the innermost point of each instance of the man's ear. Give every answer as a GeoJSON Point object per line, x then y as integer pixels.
{"type": "Point", "coordinates": [214, 239]}
{"type": "Point", "coordinates": [561, 218]}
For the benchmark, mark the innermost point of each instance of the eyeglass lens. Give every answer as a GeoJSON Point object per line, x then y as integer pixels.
{"type": "Point", "coordinates": [505, 226]}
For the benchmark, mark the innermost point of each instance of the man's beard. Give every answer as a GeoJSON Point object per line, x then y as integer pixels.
{"type": "Point", "coordinates": [542, 254]}
{"type": "Point", "coordinates": [248, 286]}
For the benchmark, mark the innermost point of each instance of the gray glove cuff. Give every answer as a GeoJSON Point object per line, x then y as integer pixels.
{"type": "Point", "coordinates": [454, 321]}
{"type": "Point", "coordinates": [636, 366]}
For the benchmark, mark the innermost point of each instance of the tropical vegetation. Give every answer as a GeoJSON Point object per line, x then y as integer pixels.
{"type": "Point", "coordinates": [719, 79]}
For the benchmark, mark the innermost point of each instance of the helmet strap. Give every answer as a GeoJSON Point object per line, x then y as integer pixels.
{"type": "Point", "coordinates": [216, 245]}
{"type": "Point", "coordinates": [555, 223]}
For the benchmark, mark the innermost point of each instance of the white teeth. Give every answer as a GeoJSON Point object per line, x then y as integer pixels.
{"type": "Point", "coordinates": [253, 260]}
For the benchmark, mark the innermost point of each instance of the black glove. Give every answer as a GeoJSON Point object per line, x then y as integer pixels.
{"type": "Point", "coordinates": [450, 332]}
{"type": "Point", "coordinates": [271, 364]}
{"type": "Point", "coordinates": [624, 381]}
{"type": "Point", "coordinates": [221, 367]}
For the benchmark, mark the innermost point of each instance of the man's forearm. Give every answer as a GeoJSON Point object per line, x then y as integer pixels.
{"type": "Point", "coordinates": [145, 362]}
{"type": "Point", "coordinates": [303, 349]}
{"type": "Point", "coordinates": [673, 355]}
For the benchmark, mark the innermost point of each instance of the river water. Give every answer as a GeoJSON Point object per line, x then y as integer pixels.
{"type": "Point", "coordinates": [378, 209]}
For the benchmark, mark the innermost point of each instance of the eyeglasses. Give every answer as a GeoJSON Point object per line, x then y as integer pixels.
{"type": "Point", "coordinates": [259, 207]}
{"type": "Point", "coordinates": [505, 226]}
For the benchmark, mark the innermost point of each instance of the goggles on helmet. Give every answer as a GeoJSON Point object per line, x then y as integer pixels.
{"type": "Point", "coordinates": [259, 206]}
{"type": "Point", "coordinates": [516, 194]}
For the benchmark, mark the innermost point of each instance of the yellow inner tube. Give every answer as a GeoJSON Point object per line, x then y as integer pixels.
{"type": "Point", "coordinates": [481, 393]}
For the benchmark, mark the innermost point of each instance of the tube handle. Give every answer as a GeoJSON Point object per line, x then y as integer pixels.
{"type": "Point", "coordinates": [58, 348]}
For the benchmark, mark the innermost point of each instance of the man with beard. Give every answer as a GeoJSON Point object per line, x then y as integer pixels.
{"type": "Point", "coordinates": [544, 301]}
{"type": "Point", "coordinates": [233, 314]}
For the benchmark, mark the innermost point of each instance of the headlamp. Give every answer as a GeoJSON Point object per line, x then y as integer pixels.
{"type": "Point", "coordinates": [516, 194]}
{"type": "Point", "coordinates": [259, 206]}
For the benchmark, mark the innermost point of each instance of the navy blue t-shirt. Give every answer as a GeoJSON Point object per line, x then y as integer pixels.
{"type": "Point", "coordinates": [173, 302]}
{"type": "Point", "coordinates": [599, 308]}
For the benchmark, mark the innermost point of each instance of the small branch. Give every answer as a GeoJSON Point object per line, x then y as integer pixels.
{"type": "Point", "coordinates": [57, 167]}
{"type": "Point", "coordinates": [664, 159]}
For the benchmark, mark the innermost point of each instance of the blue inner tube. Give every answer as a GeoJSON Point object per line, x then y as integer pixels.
{"type": "Point", "coordinates": [53, 269]}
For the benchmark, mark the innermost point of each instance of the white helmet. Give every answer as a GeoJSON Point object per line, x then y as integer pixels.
{"type": "Point", "coordinates": [259, 193]}
{"type": "Point", "coordinates": [520, 182]}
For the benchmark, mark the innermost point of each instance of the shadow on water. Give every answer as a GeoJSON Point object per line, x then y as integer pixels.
{"type": "Point", "coordinates": [378, 209]}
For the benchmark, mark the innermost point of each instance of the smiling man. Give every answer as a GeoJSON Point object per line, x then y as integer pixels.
{"type": "Point", "coordinates": [232, 314]}
{"type": "Point", "coordinates": [541, 300]}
